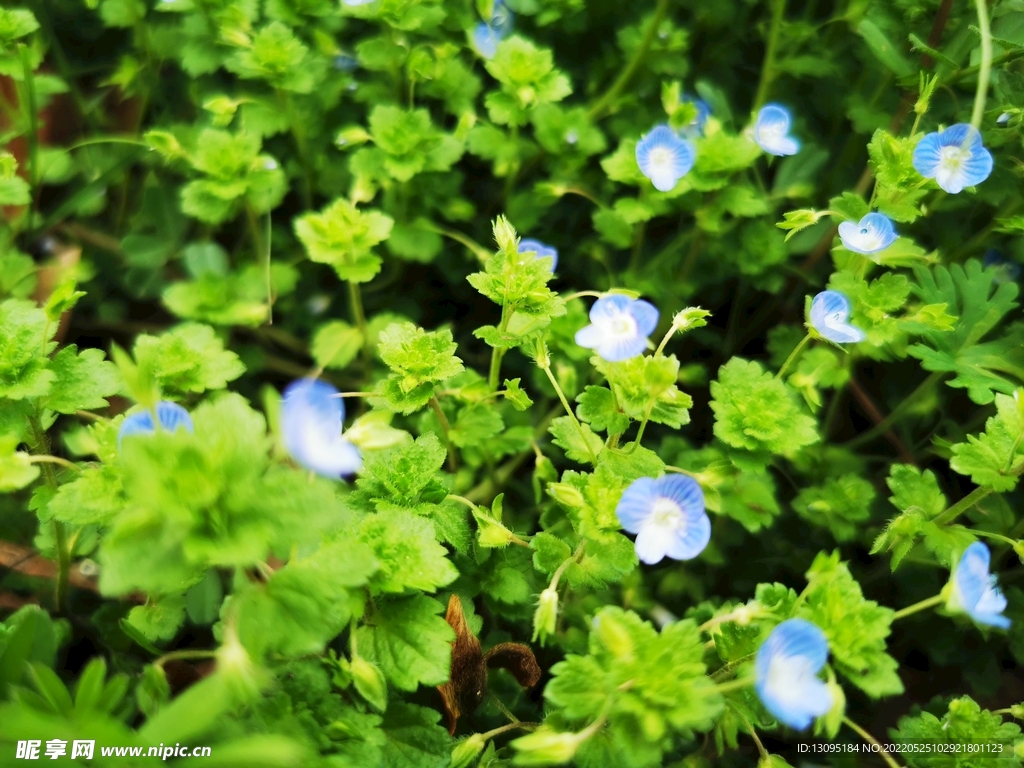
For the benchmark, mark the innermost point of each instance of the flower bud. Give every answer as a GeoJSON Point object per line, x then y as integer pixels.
{"type": "Point", "coordinates": [546, 747]}
{"type": "Point", "coordinates": [467, 750]}
{"type": "Point", "coordinates": [369, 681]}
{"type": "Point", "coordinates": [613, 636]}
{"type": "Point", "coordinates": [235, 664]}
{"type": "Point", "coordinates": [566, 495]}
{"type": "Point", "coordinates": [547, 614]}
{"type": "Point", "coordinates": [491, 534]}
{"type": "Point", "coordinates": [351, 136]}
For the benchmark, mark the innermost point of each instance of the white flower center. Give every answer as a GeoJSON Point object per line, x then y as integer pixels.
{"type": "Point", "coordinates": [952, 158]}
{"type": "Point", "coordinates": [666, 514]}
{"type": "Point", "coordinates": [787, 677]}
{"type": "Point", "coordinates": [662, 158]}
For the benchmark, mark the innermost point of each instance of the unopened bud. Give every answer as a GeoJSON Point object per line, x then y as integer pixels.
{"type": "Point", "coordinates": [546, 747]}
{"type": "Point", "coordinates": [351, 136]}
{"type": "Point", "coordinates": [546, 616]}
{"type": "Point", "coordinates": [613, 636]}
{"type": "Point", "coordinates": [467, 750]}
{"type": "Point", "coordinates": [369, 681]}
{"type": "Point", "coordinates": [566, 495]}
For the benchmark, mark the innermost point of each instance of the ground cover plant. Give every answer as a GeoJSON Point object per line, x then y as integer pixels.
{"type": "Point", "coordinates": [416, 384]}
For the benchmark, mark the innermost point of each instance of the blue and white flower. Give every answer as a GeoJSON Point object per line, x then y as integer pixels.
{"type": "Point", "coordinates": [786, 673]}
{"type": "Point", "coordinates": [170, 416]}
{"type": "Point", "coordinates": [619, 327]}
{"type": "Point", "coordinates": [696, 126]}
{"type": "Point", "coordinates": [668, 517]}
{"type": "Point", "coordinates": [1006, 271]}
{"type": "Point", "coordinates": [873, 233]}
{"type": "Point", "coordinates": [528, 244]}
{"type": "Point", "coordinates": [487, 34]}
{"type": "Point", "coordinates": [311, 416]}
{"type": "Point", "coordinates": [664, 157]}
{"type": "Point", "coordinates": [771, 131]}
{"type": "Point", "coordinates": [955, 158]}
{"type": "Point", "coordinates": [830, 311]}
{"type": "Point", "coordinates": [973, 589]}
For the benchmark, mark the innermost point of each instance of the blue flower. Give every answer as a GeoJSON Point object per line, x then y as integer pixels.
{"type": "Point", "coordinates": [170, 415]}
{"type": "Point", "coordinates": [1006, 271]}
{"type": "Point", "coordinates": [955, 158]}
{"type": "Point", "coordinates": [871, 234]}
{"type": "Point", "coordinates": [973, 589]}
{"type": "Point", "coordinates": [619, 327]}
{"type": "Point", "coordinates": [668, 517]}
{"type": "Point", "coordinates": [311, 416]}
{"type": "Point", "coordinates": [488, 34]}
{"type": "Point", "coordinates": [542, 250]}
{"type": "Point", "coordinates": [696, 126]}
{"type": "Point", "coordinates": [829, 312]}
{"type": "Point", "coordinates": [786, 673]}
{"type": "Point", "coordinates": [345, 63]}
{"type": "Point", "coordinates": [771, 131]}
{"type": "Point", "coordinates": [664, 158]}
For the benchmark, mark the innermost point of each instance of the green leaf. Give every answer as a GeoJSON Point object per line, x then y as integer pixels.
{"type": "Point", "coordinates": [16, 467]}
{"type": "Point", "coordinates": [841, 504]}
{"type": "Point", "coordinates": [94, 497]}
{"type": "Point", "coordinates": [757, 412]}
{"type": "Point", "coordinates": [916, 494]}
{"type": "Point", "coordinates": [416, 356]}
{"type": "Point", "coordinates": [188, 359]}
{"type": "Point", "coordinates": [965, 724]}
{"type": "Point", "coordinates": [644, 387]}
{"type": "Point", "coordinates": [598, 408]}
{"type": "Point", "coordinates": [580, 447]}
{"type": "Point", "coordinates": [158, 619]}
{"type": "Point", "coordinates": [995, 458]}
{"type": "Point", "coordinates": [279, 57]}
{"type": "Point", "coordinates": [336, 344]}
{"type": "Point", "coordinates": [405, 545]}
{"type": "Point", "coordinates": [405, 476]}
{"type": "Point", "coordinates": [410, 641]}
{"type": "Point", "coordinates": [15, 23]}
{"type": "Point", "coordinates": [83, 381]}
{"type": "Point", "coordinates": [475, 425]}
{"type": "Point", "coordinates": [515, 395]}
{"type": "Point", "coordinates": [25, 342]}
{"type": "Point", "coordinates": [414, 738]}
{"type": "Point", "coordinates": [343, 236]}
{"type": "Point", "coordinates": [856, 628]}
{"type": "Point", "coordinates": [306, 603]}
{"type": "Point", "coordinates": [884, 50]}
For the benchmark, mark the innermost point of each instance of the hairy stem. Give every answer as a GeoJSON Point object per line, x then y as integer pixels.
{"type": "Point", "coordinates": [33, 129]}
{"type": "Point", "coordinates": [446, 428]}
{"type": "Point", "coordinates": [985, 66]}
{"type": "Point", "coordinates": [963, 505]}
{"type": "Point", "coordinates": [568, 410]}
{"type": "Point", "coordinates": [768, 68]}
{"type": "Point", "coordinates": [873, 742]}
{"type": "Point", "coordinates": [921, 605]}
{"type": "Point", "coordinates": [793, 355]}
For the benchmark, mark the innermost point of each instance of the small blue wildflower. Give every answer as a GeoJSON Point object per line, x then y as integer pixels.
{"type": "Point", "coordinates": [311, 416]}
{"type": "Point", "coordinates": [619, 327]}
{"type": "Point", "coordinates": [1006, 271]}
{"type": "Point", "coordinates": [664, 158]}
{"type": "Point", "coordinates": [528, 244]}
{"type": "Point", "coordinates": [873, 233]}
{"type": "Point", "coordinates": [771, 131]}
{"type": "Point", "coordinates": [1003, 119]}
{"type": "Point", "coordinates": [170, 415]}
{"type": "Point", "coordinates": [786, 673]}
{"type": "Point", "coordinates": [488, 34]}
{"type": "Point", "coordinates": [668, 517]}
{"type": "Point", "coordinates": [955, 158]}
{"type": "Point", "coordinates": [696, 126]}
{"type": "Point", "coordinates": [973, 589]}
{"type": "Point", "coordinates": [345, 63]}
{"type": "Point", "coordinates": [829, 312]}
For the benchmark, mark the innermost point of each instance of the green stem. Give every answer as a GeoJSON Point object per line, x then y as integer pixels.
{"type": "Point", "coordinates": [262, 256]}
{"type": "Point", "coordinates": [768, 68]}
{"type": "Point", "coordinates": [446, 428]}
{"type": "Point", "coordinates": [963, 505]}
{"type": "Point", "coordinates": [33, 129]}
{"type": "Point", "coordinates": [472, 245]}
{"type": "Point", "coordinates": [183, 654]}
{"type": "Point", "coordinates": [985, 65]}
{"type": "Point", "coordinates": [735, 685]}
{"type": "Point", "coordinates": [508, 727]}
{"type": "Point", "coordinates": [40, 459]}
{"type": "Point", "coordinates": [793, 355]}
{"type": "Point", "coordinates": [897, 413]}
{"type": "Point", "coordinates": [355, 301]}
{"type": "Point", "coordinates": [623, 79]}
{"type": "Point", "coordinates": [575, 557]}
{"type": "Point", "coordinates": [872, 741]}
{"type": "Point", "coordinates": [753, 734]}
{"type": "Point", "coordinates": [568, 410]}
{"type": "Point", "coordinates": [916, 607]}
{"type": "Point", "coordinates": [299, 134]}
{"type": "Point", "coordinates": [497, 353]}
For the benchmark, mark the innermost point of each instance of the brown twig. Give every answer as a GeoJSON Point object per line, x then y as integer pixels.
{"type": "Point", "coordinates": [868, 405]}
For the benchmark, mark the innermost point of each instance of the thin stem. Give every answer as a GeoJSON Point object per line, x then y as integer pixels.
{"type": "Point", "coordinates": [477, 511]}
{"type": "Point", "coordinates": [768, 68]}
{"type": "Point", "coordinates": [575, 557]}
{"type": "Point", "coordinates": [963, 505]}
{"type": "Point", "coordinates": [735, 685]}
{"type": "Point", "coordinates": [446, 428]}
{"type": "Point", "coordinates": [40, 459]}
{"type": "Point", "coordinates": [183, 654]}
{"type": "Point", "coordinates": [495, 370]}
{"type": "Point", "coordinates": [753, 734]}
{"type": "Point", "coordinates": [108, 140]}
{"type": "Point", "coordinates": [260, 248]}
{"type": "Point", "coordinates": [922, 605]}
{"type": "Point", "coordinates": [793, 355]}
{"type": "Point", "coordinates": [568, 410]}
{"type": "Point", "coordinates": [623, 79]}
{"type": "Point", "coordinates": [985, 65]}
{"type": "Point", "coordinates": [33, 129]}
{"type": "Point", "coordinates": [355, 301]}
{"type": "Point", "coordinates": [513, 721]}
{"type": "Point", "coordinates": [472, 245]}
{"type": "Point", "coordinates": [299, 134]}
{"type": "Point", "coordinates": [873, 742]}
{"type": "Point", "coordinates": [897, 413]}
{"type": "Point", "coordinates": [510, 726]}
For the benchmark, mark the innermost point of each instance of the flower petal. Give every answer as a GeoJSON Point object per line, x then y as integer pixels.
{"type": "Point", "coordinates": [589, 336]}
{"type": "Point", "coordinates": [615, 350]}
{"type": "Point", "coordinates": [652, 543]}
{"type": "Point", "coordinates": [608, 307]}
{"type": "Point", "coordinates": [635, 504]}
{"type": "Point", "coordinates": [170, 415]}
{"type": "Point", "coordinates": [528, 244]}
{"type": "Point", "coordinates": [688, 542]}
{"type": "Point", "coordinates": [786, 671]}
{"type": "Point", "coordinates": [684, 491]}
{"type": "Point", "coordinates": [646, 315]}
{"type": "Point", "coordinates": [311, 417]}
